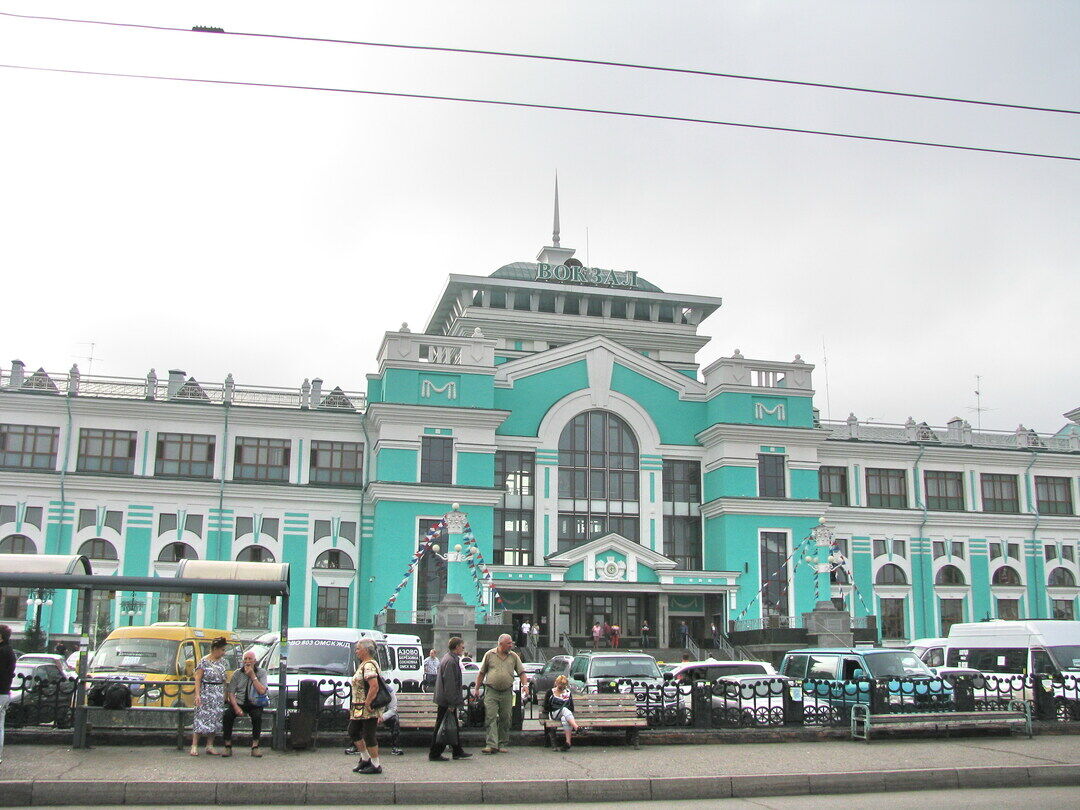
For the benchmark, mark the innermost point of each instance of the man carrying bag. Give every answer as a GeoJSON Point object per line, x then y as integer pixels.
{"type": "Point", "coordinates": [448, 697]}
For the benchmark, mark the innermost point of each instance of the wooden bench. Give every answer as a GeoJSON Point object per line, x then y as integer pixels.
{"type": "Point", "coordinates": [601, 712]}
{"type": "Point", "coordinates": [862, 721]}
{"type": "Point", "coordinates": [154, 718]}
{"type": "Point", "coordinates": [416, 710]}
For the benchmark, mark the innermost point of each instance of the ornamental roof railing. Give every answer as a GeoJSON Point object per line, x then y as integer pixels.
{"type": "Point", "coordinates": [179, 387]}
{"type": "Point", "coordinates": [958, 433]}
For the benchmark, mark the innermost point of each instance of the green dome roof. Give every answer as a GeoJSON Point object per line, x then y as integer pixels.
{"type": "Point", "coordinates": [526, 271]}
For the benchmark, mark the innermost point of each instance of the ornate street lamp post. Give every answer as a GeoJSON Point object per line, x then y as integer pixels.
{"type": "Point", "coordinates": [37, 598]}
{"type": "Point", "coordinates": [131, 607]}
{"type": "Point", "coordinates": [827, 625]}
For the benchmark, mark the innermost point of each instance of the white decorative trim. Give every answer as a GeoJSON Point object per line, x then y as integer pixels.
{"type": "Point", "coordinates": [600, 362]}
{"type": "Point", "coordinates": [790, 507]}
{"type": "Point", "coordinates": [611, 542]}
{"type": "Point", "coordinates": [433, 493]}
{"type": "Point", "coordinates": [427, 388]}
{"type": "Point", "coordinates": [778, 410]}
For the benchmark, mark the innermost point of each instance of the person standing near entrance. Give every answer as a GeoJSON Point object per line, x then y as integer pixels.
{"type": "Point", "coordinates": [596, 635]}
{"type": "Point", "coordinates": [448, 697]}
{"type": "Point", "coordinates": [431, 671]}
{"type": "Point", "coordinates": [616, 631]}
{"type": "Point", "coordinates": [7, 675]}
{"type": "Point", "coordinates": [497, 670]}
{"type": "Point", "coordinates": [645, 629]}
{"type": "Point", "coordinates": [684, 633]}
{"type": "Point", "coordinates": [526, 628]}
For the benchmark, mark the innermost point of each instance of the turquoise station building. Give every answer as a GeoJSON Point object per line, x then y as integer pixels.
{"type": "Point", "coordinates": [605, 475]}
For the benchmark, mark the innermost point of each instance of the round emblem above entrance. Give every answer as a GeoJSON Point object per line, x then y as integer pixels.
{"type": "Point", "coordinates": [610, 569]}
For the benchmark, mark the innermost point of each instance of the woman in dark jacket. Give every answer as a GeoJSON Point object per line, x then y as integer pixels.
{"type": "Point", "coordinates": [559, 705]}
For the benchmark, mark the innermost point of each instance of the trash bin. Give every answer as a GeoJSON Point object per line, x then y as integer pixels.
{"type": "Point", "coordinates": [302, 723]}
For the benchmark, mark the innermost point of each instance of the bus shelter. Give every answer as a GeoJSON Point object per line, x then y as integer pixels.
{"type": "Point", "coordinates": [74, 572]}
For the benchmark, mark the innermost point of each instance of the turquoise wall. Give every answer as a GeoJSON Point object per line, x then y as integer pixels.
{"type": "Point", "coordinates": [475, 469]}
{"type": "Point", "coordinates": [532, 397]}
{"type": "Point", "coordinates": [393, 464]}
{"type": "Point", "coordinates": [738, 408]}
{"type": "Point", "coordinates": [730, 482]}
{"type": "Point", "coordinates": [804, 484]}
{"type": "Point", "coordinates": [677, 420]}
{"type": "Point", "coordinates": [405, 385]}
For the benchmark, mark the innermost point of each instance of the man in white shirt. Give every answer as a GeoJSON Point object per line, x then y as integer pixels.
{"type": "Point", "coordinates": [526, 628]}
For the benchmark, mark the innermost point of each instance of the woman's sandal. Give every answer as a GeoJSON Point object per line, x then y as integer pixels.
{"type": "Point", "coordinates": [228, 750]}
{"type": "Point", "coordinates": [194, 752]}
{"type": "Point", "coordinates": [255, 752]}
{"type": "Point", "coordinates": [210, 752]}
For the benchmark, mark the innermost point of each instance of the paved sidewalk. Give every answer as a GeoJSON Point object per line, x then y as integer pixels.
{"type": "Point", "coordinates": [34, 774]}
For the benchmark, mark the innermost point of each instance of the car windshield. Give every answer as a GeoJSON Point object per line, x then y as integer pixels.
{"type": "Point", "coordinates": [896, 665]}
{"type": "Point", "coordinates": [157, 655]}
{"type": "Point", "coordinates": [318, 656]}
{"type": "Point", "coordinates": [1066, 656]}
{"type": "Point", "coordinates": [624, 667]}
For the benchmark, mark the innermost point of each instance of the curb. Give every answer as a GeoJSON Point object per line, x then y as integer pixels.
{"type": "Point", "coordinates": [21, 793]}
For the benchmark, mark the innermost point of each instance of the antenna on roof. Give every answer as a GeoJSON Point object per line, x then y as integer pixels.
{"type": "Point", "coordinates": [555, 228]}
{"type": "Point", "coordinates": [89, 358]}
{"type": "Point", "coordinates": [978, 403]}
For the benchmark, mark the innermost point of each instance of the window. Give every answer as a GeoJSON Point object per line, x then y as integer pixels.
{"type": "Point", "coordinates": [890, 574]}
{"type": "Point", "coordinates": [332, 607]}
{"type": "Point", "coordinates": [185, 455]}
{"type": "Point", "coordinates": [193, 524]}
{"type": "Point", "coordinates": [1000, 493]}
{"type": "Point", "coordinates": [258, 459]}
{"type": "Point", "coordinates": [995, 550]}
{"type": "Point", "coordinates": [1006, 575]}
{"type": "Point", "coordinates": [1061, 578]}
{"type": "Point", "coordinates": [98, 549]}
{"type": "Point", "coordinates": [774, 575]}
{"type": "Point", "coordinates": [598, 479]}
{"type": "Point", "coordinates": [951, 612]}
{"type": "Point", "coordinates": [950, 575]}
{"type": "Point", "coordinates": [879, 547]}
{"type": "Point", "coordinates": [255, 554]}
{"type": "Point", "coordinates": [17, 544]}
{"type": "Point", "coordinates": [431, 574]}
{"type": "Point", "coordinates": [173, 607]}
{"type": "Point", "coordinates": [1067, 553]}
{"type": "Point", "coordinates": [682, 541]}
{"type": "Point", "coordinates": [682, 481]}
{"type": "Point", "coordinates": [512, 542]}
{"type": "Point", "coordinates": [111, 451]}
{"type": "Point", "coordinates": [335, 559]}
{"type": "Point", "coordinates": [436, 460]}
{"type": "Point", "coordinates": [1050, 552]}
{"type": "Point", "coordinates": [337, 463]}
{"type": "Point", "coordinates": [1013, 550]}
{"type": "Point", "coordinates": [1008, 609]}
{"type": "Point", "coordinates": [28, 446]}
{"type": "Point", "coordinates": [892, 619]}
{"type": "Point", "coordinates": [514, 472]}
{"type": "Point", "coordinates": [175, 552]}
{"type": "Point", "coordinates": [166, 523]}
{"type": "Point", "coordinates": [253, 612]}
{"type": "Point", "coordinates": [1053, 495]}
{"type": "Point", "coordinates": [1063, 610]}
{"type": "Point", "coordinates": [771, 476]}
{"type": "Point", "coordinates": [944, 491]}
{"type": "Point", "coordinates": [958, 549]}
{"type": "Point", "coordinates": [886, 489]}
{"type": "Point", "coordinates": [832, 485]}
{"type": "Point", "coordinates": [939, 549]}
{"type": "Point", "coordinates": [822, 667]}
{"type": "Point", "coordinates": [899, 548]}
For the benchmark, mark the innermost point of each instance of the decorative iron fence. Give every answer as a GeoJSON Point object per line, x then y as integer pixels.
{"type": "Point", "coordinates": [41, 702]}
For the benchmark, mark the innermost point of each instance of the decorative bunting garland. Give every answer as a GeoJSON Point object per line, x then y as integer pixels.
{"type": "Point", "coordinates": [780, 570]}
{"type": "Point", "coordinates": [425, 546]}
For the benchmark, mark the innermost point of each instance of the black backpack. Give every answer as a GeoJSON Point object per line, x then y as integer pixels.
{"type": "Point", "coordinates": [117, 696]}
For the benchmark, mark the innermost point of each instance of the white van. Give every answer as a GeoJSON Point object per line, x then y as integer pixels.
{"type": "Point", "coordinates": [1047, 647]}
{"type": "Point", "coordinates": [406, 661]}
{"type": "Point", "coordinates": [931, 651]}
{"type": "Point", "coordinates": [324, 654]}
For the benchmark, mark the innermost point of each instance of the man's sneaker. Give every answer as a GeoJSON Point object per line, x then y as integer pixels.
{"type": "Point", "coordinates": [352, 750]}
{"type": "Point", "coordinates": [462, 755]}
{"type": "Point", "coordinates": [487, 749]}
{"type": "Point", "coordinates": [437, 758]}
{"type": "Point", "coordinates": [397, 752]}
{"type": "Point", "coordinates": [373, 769]}
{"type": "Point", "coordinates": [364, 767]}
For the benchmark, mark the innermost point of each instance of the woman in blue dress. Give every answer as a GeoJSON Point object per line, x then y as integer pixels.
{"type": "Point", "coordinates": [209, 697]}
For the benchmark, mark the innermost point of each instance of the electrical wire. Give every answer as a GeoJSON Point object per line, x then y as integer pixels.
{"type": "Point", "coordinates": [550, 58]}
{"type": "Point", "coordinates": [537, 106]}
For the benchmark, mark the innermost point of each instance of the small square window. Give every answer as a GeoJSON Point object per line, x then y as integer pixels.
{"type": "Point", "coordinates": [958, 549]}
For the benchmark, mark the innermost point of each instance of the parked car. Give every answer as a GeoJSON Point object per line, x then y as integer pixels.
{"type": "Point", "coordinates": [543, 680]}
{"type": "Point", "coordinates": [41, 692]}
{"type": "Point", "coordinates": [931, 651]}
{"type": "Point", "coordinates": [751, 700]}
{"type": "Point", "coordinates": [710, 670]}
{"type": "Point", "coordinates": [834, 679]}
{"type": "Point", "coordinates": [599, 671]}
{"type": "Point", "coordinates": [58, 661]}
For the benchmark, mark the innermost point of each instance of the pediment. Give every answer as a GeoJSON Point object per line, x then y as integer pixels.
{"type": "Point", "coordinates": [600, 353]}
{"type": "Point", "coordinates": [607, 544]}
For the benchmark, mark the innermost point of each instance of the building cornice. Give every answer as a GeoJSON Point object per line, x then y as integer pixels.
{"type": "Point", "coordinates": [380, 413]}
{"type": "Point", "coordinates": [958, 454]}
{"type": "Point", "coordinates": [780, 507]}
{"type": "Point", "coordinates": [1001, 522]}
{"type": "Point", "coordinates": [434, 493]}
{"type": "Point", "coordinates": [764, 434]}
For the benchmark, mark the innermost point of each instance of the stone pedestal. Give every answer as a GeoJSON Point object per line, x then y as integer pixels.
{"type": "Point", "coordinates": [828, 626]}
{"type": "Point", "coordinates": [453, 616]}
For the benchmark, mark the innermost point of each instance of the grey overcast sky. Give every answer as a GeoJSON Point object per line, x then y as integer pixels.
{"type": "Point", "coordinates": [276, 234]}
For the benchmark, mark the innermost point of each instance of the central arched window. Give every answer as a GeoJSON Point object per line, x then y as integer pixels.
{"type": "Point", "coordinates": [1061, 578]}
{"type": "Point", "coordinates": [950, 575]}
{"type": "Point", "coordinates": [1006, 575]}
{"type": "Point", "coordinates": [890, 574]}
{"type": "Point", "coordinates": [598, 479]}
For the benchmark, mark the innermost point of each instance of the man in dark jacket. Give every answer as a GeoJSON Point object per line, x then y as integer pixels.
{"type": "Point", "coordinates": [7, 674]}
{"type": "Point", "coordinates": [448, 697]}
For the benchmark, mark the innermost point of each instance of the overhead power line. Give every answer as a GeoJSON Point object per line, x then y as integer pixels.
{"type": "Point", "coordinates": [537, 106]}
{"type": "Point", "coordinates": [550, 58]}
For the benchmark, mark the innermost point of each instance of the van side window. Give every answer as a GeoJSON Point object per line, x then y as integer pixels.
{"type": "Point", "coordinates": [580, 665]}
{"type": "Point", "coordinates": [794, 666]}
{"type": "Point", "coordinates": [187, 653]}
{"type": "Point", "coordinates": [934, 657]}
{"type": "Point", "coordinates": [850, 665]}
{"type": "Point", "coordinates": [998, 660]}
{"type": "Point", "coordinates": [822, 667]}
{"type": "Point", "coordinates": [1042, 664]}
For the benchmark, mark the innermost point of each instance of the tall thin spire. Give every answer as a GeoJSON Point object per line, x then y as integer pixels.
{"type": "Point", "coordinates": [555, 229]}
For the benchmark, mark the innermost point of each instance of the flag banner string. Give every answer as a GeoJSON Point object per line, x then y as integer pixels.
{"type": "Point", "coordinates": [776, 574]}
{"type": "Point", "coordinates": [430, 537]}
